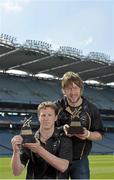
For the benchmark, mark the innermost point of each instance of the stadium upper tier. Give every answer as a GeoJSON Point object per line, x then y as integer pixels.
{"type": "Point", "coordinates": [31, 90]}
{"type": "Point", "coordinates": [38, 57]}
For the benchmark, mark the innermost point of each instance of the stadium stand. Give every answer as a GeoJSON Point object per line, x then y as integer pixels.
{"type": "Point", "coordinates": [5, 142]}
{"type": "Point", "coordinates": [106, 146]}
{"type": "Point", "coordinates": [21, 94]}
{"type": "Point", "coordinates": [27, 89]}
{"type": "Point", "coordinates": [100, 96]}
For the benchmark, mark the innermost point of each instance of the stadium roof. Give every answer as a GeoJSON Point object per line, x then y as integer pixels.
{"type": "Point", "coordinates": [38, 57]}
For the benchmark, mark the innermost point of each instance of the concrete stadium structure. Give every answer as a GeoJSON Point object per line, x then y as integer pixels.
{"type": "Point", "coordinates": [20, 94]}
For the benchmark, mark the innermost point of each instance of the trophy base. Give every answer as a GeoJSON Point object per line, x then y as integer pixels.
{"type": "Point", "coordinates": [75, 130]}
{"type": "Point", "coordinates": [28, 139]}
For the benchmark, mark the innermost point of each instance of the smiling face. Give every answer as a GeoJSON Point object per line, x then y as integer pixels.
{"type": "Point", "coordinates": [47, 117]}
{"type": "Point", "coordinates": [72, 87]}
{"type": "Point", "coordinates": [73, 93]}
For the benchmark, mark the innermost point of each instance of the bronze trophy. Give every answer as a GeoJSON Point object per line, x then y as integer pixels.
{"type": "Point", "coordinates": [26, 131]}
{"type": "Point", "coordinates": [75, 127]}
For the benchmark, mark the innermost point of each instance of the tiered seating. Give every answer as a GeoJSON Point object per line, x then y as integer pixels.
{"type": "Point", "coordinates": [33, 91]}
{"type": "Point", "coordinates": [5, 142]}
{"type": "Point", "coordinates": [28, 90]}
{"type": "Point", "coordinates": [106, 146]}
{"type": "Point", "coordinates": [101, 97]}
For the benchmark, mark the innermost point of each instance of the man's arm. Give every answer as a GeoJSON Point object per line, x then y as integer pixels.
{"type": "Point", "coordinates": [17, 166]}
{"type": "Point", "coordinates": [92, 136]}
{"type": "Point", "coordinates": [58, 163]}
{"type": "Point", "coordinates": [87, 134]}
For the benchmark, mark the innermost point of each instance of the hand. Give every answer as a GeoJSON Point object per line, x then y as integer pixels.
{"type": "Point", "coordinates": [32, 146]}
{"type": "Point", "coordinates": [65, 128]}
{"type": "Point", "coordinates": [16, 142]}
{"type": "Point", "coordinates": [84, 135]}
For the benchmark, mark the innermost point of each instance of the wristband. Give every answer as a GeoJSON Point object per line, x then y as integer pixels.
{"type": "Point", "coordinates": [88, 134]}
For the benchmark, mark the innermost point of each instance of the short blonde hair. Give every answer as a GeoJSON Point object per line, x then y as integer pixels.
{"type": "Point", "coordinates": [46, 104]}
{"type": "Point", "coordinates": [71, 77]}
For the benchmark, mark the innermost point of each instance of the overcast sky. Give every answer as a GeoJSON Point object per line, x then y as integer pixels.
{"type": "Point", "coordinates": [87, 25]}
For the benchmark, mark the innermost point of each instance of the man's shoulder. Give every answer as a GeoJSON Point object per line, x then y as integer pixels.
{"type": "Point", "coordinates": [88, 103]}
{"type": "Point", "coordinates": [89, 106]}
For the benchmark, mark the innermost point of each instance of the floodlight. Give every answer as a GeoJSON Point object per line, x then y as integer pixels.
{"type": "Point", "coordinates": [99, 56]}
{"type": "Point", "coordinates": [7, 39]}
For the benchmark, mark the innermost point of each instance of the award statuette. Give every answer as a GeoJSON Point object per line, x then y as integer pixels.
{"type": "Point", "coordinates": [26, 131]}
{"type": "Point", "coordinates": [75, 127]}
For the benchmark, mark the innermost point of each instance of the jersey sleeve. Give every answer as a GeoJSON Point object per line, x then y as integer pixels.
{"type": "Point", "coordinates": [65, 150]}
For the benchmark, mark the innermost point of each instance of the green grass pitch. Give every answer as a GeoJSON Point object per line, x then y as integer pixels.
{"type": "Point", "coordinates": [101, 167]}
